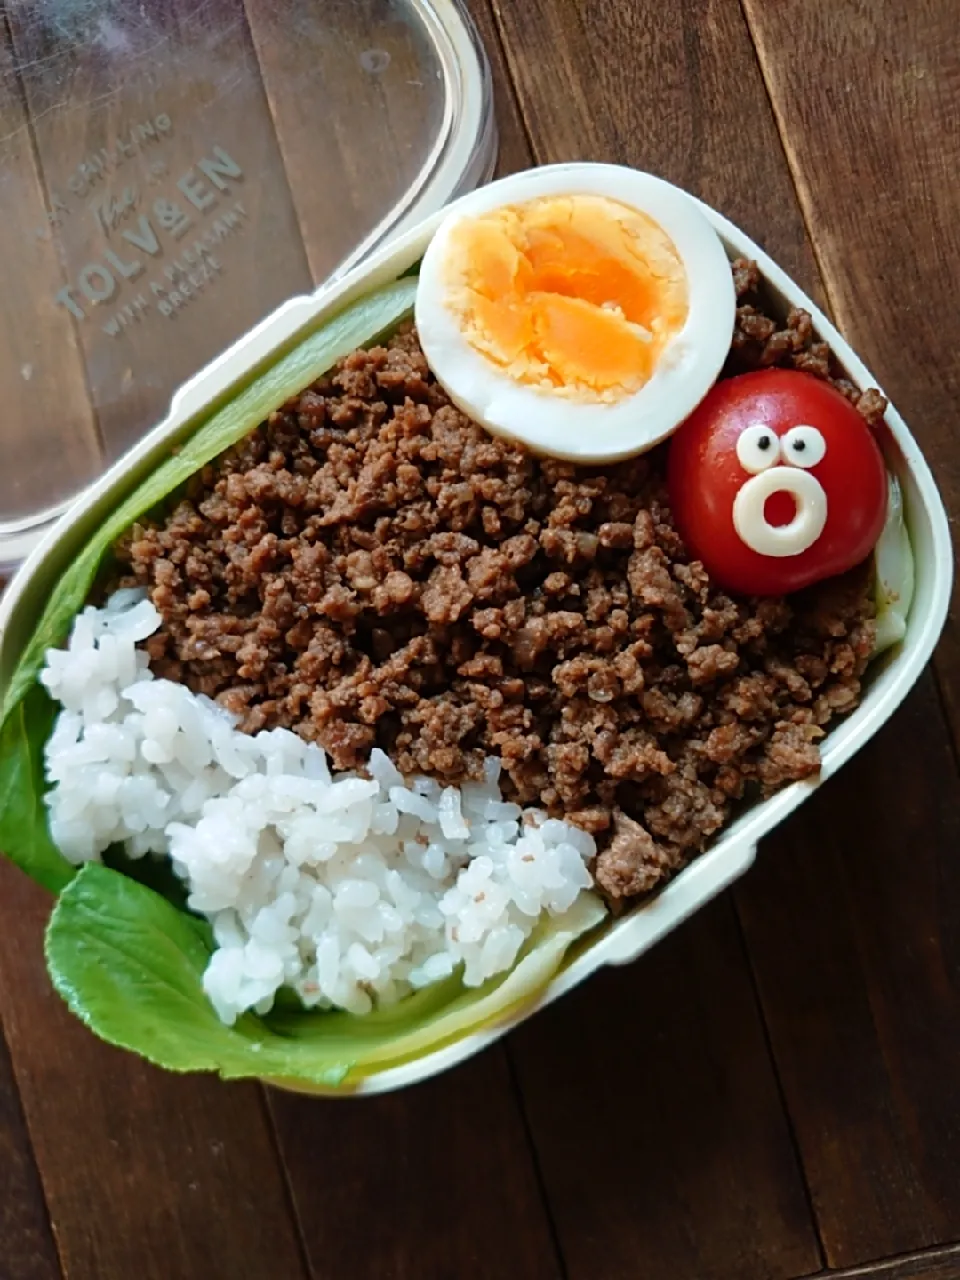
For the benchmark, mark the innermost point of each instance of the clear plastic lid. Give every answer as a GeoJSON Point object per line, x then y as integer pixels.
{"type": "Point", "coordinates": [171, 172]}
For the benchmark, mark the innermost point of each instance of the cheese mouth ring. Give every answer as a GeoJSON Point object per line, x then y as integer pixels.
{"type": "Point", "coordinates": [752, 525]}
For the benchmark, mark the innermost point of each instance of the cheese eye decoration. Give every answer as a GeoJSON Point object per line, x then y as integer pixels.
{"type": "Point", "coordinates": [776, 482]}
{"type": "Point", "coordinates": [804, 446]}
{"type": "Point", "coordinates": [757, 449]}
{"type": "Point", "coordinates": [583, 310]}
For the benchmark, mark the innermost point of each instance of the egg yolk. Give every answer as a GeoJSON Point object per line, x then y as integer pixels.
{"type": "Point", "coordinates": [575, 294]}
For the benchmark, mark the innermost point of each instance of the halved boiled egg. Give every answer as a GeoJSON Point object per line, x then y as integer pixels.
{"type": "Point", "coordinates": [582, 309]}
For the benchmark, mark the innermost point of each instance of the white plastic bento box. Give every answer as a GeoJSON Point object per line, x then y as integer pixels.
{"type": "Point", "coordinates": [628, 937]}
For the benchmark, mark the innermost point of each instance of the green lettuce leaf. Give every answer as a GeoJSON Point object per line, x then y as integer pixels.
{"type": "Point", "coordinates": [130, 966]}
{"type": "Point", "coordinates": [24, 835]}
{"type": "Point", "coordinates": [28, 713]}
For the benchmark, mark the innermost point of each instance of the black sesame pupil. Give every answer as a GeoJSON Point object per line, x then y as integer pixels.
{"type": "Point", "coordinates": [763, 442]}
{"type": "Point", "coordinates": [799, 446]}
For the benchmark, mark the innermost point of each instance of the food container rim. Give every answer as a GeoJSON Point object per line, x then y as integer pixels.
{"type": "Point", "coordinates": [734, 852]}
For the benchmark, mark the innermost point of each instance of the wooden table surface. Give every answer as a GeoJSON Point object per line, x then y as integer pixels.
{"type": "Point", "coordinates": [774, 1092]}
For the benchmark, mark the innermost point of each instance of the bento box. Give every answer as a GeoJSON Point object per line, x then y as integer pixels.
{"type": "Point", "coordinates": [627, 937]}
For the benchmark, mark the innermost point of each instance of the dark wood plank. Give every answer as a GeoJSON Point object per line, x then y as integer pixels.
{"type": "Point", "coordinates": [670, 88]}
{"type": "Point", "coordinates": [932, 1264]}
{"type": "Point", "coordinates": [514, 146]}
{"type": "Point", "coordinates": [875, 150]}
{"type": "Point", "coordinates": [146, 1174]}
{"type": "Point", "coordinates": [26, 1245]}
{"type": "Point", "coordinates": [851, 918]}
{"type": "Point", "coordinates": [353, 90]}
{"type": "Point", "coordinates": [125, 110]}
{"type": "Point", "coordinates": [48, 434]}
{"type": "Point", "coordinates": [660, 1132]}
{"type": "Point", "coordinates": [890, 265]}
{"type": "Point", "coordinates": [435, 1183]}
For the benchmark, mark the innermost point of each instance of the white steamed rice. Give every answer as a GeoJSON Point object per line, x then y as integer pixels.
{"type": "Point", "coordinates": [350, 890]}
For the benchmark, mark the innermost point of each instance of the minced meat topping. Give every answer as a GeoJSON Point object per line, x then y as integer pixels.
{"type": "Point", "coordinates": [371, 568]}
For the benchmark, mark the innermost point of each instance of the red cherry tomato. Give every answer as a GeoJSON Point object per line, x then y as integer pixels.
{"type": "Point", "coordinates": [776, 482]}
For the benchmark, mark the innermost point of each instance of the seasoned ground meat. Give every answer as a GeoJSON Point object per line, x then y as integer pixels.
{"type": "Point", "coordinates": [371, 568]}
{"type": "Point", "coordinates": [760, 342]}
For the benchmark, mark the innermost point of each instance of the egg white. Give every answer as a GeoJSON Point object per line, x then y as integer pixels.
{"type": "Point", "coordinates": [545, 422]}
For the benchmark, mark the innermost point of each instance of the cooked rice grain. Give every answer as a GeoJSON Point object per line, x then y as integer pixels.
{"type": "Point", "coordinates": [352, 890]}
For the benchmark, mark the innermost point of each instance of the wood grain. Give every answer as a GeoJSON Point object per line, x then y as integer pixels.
{"type": "Point", "coordinates": [26, 1245]}
{"type": "Point", "coordinates": [48, 435]}
{"type": "Point", "coordinates": [146, 1174]}
{"type": "Point", "coordinates": [357, 106]}
{"type": "Point", "coordinates": [514, 146]}
{"type": "Point", "coordinates": [674, 89]}
{"type": "Point", "coordinates": [435, 1183]}
{"type": "Point", "coordinates": [90, 83]}
{"type": "Point", "coordinates": [875, 151]}
{"type": "Point", "coordinates": [852, 920]}
{"type": "Point", "coordinates": [658, 1125]}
